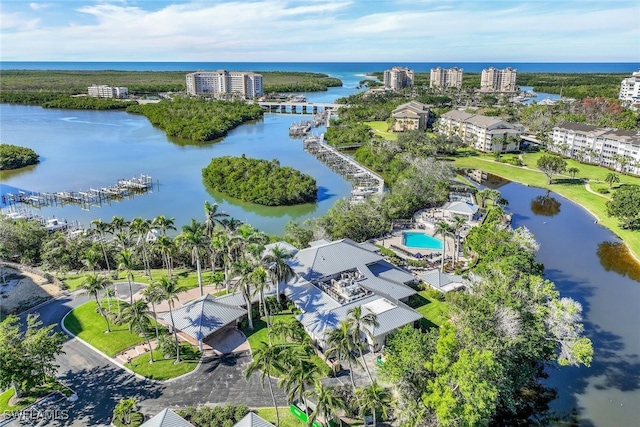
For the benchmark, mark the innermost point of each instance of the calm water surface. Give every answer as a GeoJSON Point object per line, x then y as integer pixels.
{"type": "Point", "coordinates": [83, 149]}
{"type": "Point", "coordinates": [607, 393]}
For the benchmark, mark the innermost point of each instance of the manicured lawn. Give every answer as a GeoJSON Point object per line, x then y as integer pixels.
{"type": "Point", "coordinates": [186, 278]}
{"type": "Point", "coordinates": [287, 419]}
{"type": "Point", "coordinates": [164, 369]}
{"type": "Point", "coordinates": [86, 323]}
{"type": "Point", "coordinates": [29, 398]}
{"type": "Point", "coordinates": [434, 312]}
{"type": "Point", "coordinates": [573, 190]}
{"type": "Point", "coordinates": [260, 334]}
{"type": "Point", "coordinates": [380, 129]}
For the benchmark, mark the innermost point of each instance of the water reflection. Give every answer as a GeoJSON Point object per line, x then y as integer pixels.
{"type": "Point", "coordinates": [545, 205]}
{"type": "Point", "coordinates": [483, 178]}
{"type": "Point", "coordinates": [294, 211]}
{"type": "Point", "coordinates": [614, 256]}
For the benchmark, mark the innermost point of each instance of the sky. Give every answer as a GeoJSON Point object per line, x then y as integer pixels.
{"type": "Point", "coordinates": [320, 30]}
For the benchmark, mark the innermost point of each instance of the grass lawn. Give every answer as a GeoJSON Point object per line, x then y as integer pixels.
{"type": "Point", "coordinates": [86, 323]}
{"type": "Point", "coordinates": [187, 279]}
{"type": "Point", "coordinates": [380, 129]}
{"type": "Point", "coordinates": [260, 334]}
{"type": "Point", "coordinates": [572, 189]}
{"type": "Point", "coordinates": [434, 312]}
{"type": "Point", "coordinates": [164, 369]}
{"type": "Point", "coordinates": [29, 398]}
{"type": "Point", "coordinates": [287, 419]}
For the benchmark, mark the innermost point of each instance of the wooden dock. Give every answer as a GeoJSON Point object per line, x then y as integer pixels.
{"type": "Point", "coordinates": [365, 182]}
{"type": "Point", "coordinates": [123, 188]}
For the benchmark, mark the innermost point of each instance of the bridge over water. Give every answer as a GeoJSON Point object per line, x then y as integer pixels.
{"type": "Point", "coordinates": [289, 107]}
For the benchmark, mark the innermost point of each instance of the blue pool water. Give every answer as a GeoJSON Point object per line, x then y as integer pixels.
{"type": "Point", "coordinates": [417, 240]}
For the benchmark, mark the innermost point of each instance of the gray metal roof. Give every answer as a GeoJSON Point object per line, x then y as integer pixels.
{"type": "Point", "coordinates": [444, 281]}
{"type": "Point", "coordinates": [285, 246]}
{"type": "Point", "coordinates": [309, 298]}
{"type": "Point", "coordinates": [167, 418]}
{"type": "Point", "coordinates": [369, 246]}
{"type": "Point", "coordinates": [252, 420]}
{"type": "Point", "coordinates": [463, 207]}
{"type": "Point", "coordinates": [203, 316]}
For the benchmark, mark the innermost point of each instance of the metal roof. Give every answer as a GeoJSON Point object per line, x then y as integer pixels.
{"type": "Point", "coordinates": [463, 207]}
{"type": "Point", "coordinates": [167, 418]}
{"type": "Point", "coordinates": [252, 420]}
{"type": "Point", "coordinates": [203, 316]}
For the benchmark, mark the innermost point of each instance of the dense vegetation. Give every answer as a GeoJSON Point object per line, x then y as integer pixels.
{"type": "Point", "coordinates": [198, 119]}
{"type": "Point", "coordinates": [143, 82]}
{"type": "Point", "coordinates": [259, 181]}
{"type": "Point", "coordinates": [483, 366]}
{"type": "Point", "coordinates": [207, 416]}
{"type": "Point", "coordinates": [574, 85]}
{"type": "Point", "coordinates": [13, 156]}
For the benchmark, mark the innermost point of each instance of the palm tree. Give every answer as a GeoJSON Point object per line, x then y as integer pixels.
{"type": "Point", "coordinates": [259, 282]}
{"type": "Point", "coordinates": [118, 224]}
{"type": "Point", "coordinates": [103, 228]}
{"type": "Point", "coordinates": [125, 263]}
{"type": "Point", "coordinates": [372, 398]}
{"type": "Point", "coordinates": [295, 381]}
{"type": "Point", "coordinates": [212, 217]}
{"type": "Point", "coordinates": [266, 359]}
{"type": "Point", "coordinates": [279, 270]}
{"type": "Point", "coordinates": [573, 171]}
{"type": "Point", "coordinates": [340, 343]}
{"type": "Point", "coordinates": [445, 230]}
{"type": "Point", "coordinates": [91, 285]}
{"type": "Point", "coordinates": [170, 291]}
{"type": "Point", "coordinates": [90, 259]}
{"type": "Point", "coordinates": [154, 294]}
{"type": "Point", "coordinates": [166, 246]}
{"type": "Point", "coordinates": [141, 227]}
{"type": "Point", "coordinates": [458, 223]}
{"type": "Point", "coordinates": [611, 179]}
{"type": "Point", "coordinates": [327, 403]}
{"type": "Point", "coordinates": [245, 270]}
{"type": "Point", "coordinates": [136, 313]}
{"type": "Point", "coordinates": [193, 240]}
{"type": "Point", "coordinates": [358, 322]}
{"type": "Point", "coordinates": [163, 223]}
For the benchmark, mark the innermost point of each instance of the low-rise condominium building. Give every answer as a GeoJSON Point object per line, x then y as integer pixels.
{"type": "Point", "coordinates": [105, 91]}
{"type": "Point", "coordinates": [222, 84]}
{"type": "Point", "coordinates": [486, 134]}
{"type": "Point", "coordinates": [613, 148]}
{"type": "Point", "coordinates": [412, 115]}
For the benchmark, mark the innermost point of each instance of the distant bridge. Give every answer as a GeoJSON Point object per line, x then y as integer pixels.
{"type": "Point", "coordinates": [289, 107]}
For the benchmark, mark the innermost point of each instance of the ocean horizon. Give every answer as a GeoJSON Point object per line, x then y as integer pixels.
{"type": "Point", "coordinates": [323, 67]}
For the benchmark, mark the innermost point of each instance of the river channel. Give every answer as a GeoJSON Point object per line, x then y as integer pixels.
{"type": "Point", "coordinates": [585, 262]}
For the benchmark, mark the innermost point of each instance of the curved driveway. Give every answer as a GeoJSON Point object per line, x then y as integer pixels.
{"type": "Point", "coordinates": [100, 384]}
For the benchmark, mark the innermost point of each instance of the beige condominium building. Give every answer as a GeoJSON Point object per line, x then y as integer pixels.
{"type": "Point", "coordinates": [105, 91]}
{"type": "Point", "coordinates": [614, 148]}
{"type": "Point", "coordinates": [486, 134]}
{"type": "Point", "coordinates": [495, 80]}
{"type": "Point", "coordinates": [446, 77]}
{"type": "Point", "coordinates": [223, 83]}
{"type": "Point", "coordinates": [398, 78]}
{"type": "Point", "coordinates": [630, 91]}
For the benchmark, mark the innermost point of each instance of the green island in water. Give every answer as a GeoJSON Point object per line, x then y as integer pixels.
{"type": "Point", "coordinates": [260, 181]}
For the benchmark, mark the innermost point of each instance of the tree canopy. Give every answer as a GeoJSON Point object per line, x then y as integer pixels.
{"type": "Point", "coordinates": [14, 156]}
{"type": "Point", "coordinates": [259, 181]}
{"type": "Point", "coordinates": [625, 205]}
{"type": "Point", "coordinates": [551, 165]}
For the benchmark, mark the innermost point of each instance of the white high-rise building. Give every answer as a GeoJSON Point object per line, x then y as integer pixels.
{"type": "Point", "coordinates": [442, 77]}
{"type": "Point", "coordinates": [398, 78]}
{"type": "Point", "coordinates": [630, 89]}
{"type": "Point", "coordinates": [220, 83]}
{"type": "Point", "coordinates": [495, 80]}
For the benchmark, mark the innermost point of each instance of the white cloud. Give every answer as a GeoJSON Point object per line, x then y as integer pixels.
{"type": "Point", "coordinates": [39, 6]}
{"type": "Point", "coordinates": [273, 30]}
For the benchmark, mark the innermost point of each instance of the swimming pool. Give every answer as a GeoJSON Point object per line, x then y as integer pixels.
{"type": "Point", "coordinates": [418, 240]}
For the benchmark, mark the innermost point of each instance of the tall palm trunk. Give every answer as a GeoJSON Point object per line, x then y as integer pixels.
{"type": "Point", "coordinates": [175, 334]}
{"type": "Point", "coordinates": [273, 398]}
{"type": "Point", "coordinates": [247, 301]}
{"type": "Point", "coordinates": [155, 318]}
{"type": "Point", "coordinates": [102, 313]}
{"type": "Point", "coordinates": [199, 268]}
{"type": "Point", "coordinates": [144, 334]}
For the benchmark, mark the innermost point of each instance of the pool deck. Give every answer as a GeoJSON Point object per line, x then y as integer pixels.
{"type": "Point", "coordinates": [396, 240]}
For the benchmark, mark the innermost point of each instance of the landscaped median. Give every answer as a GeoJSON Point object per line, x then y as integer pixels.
{"type": "Point", "coordinates": [86, 323]}
{"type": "Point", "coordinates": [572, 189]}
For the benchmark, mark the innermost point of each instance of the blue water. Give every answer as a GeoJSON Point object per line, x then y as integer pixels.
{"type": "Point", "coordinates": [331, 68]}
{"type": "Point", "coordinates": [417, 240]}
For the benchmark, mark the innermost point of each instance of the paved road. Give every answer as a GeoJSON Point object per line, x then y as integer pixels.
{"type": "Point", "coordinates": [100, 384]}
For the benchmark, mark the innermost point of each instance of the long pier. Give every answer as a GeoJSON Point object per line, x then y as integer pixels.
{"type": "Point", "coordinates": [123, 188]}
{"type": "Point", "coordinates": [289, 107]}
{"type": "Point", "coordinates": [365, 182]}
